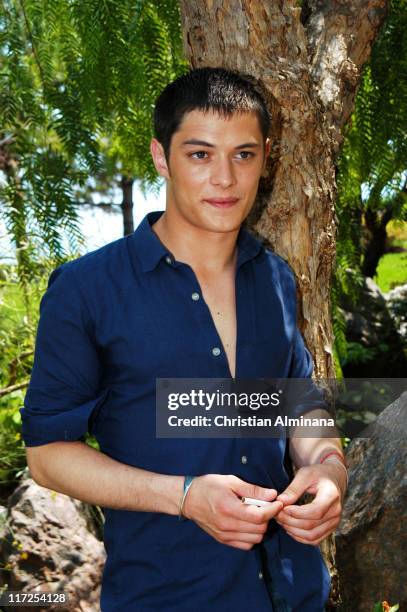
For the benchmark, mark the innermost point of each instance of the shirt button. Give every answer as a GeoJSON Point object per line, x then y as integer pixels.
{"type": "Point", "coordinates": [260, 575]}
{"type": "Point", "coordinates": [216, 351]}
{"type": "Point", "coordinates": [243, 459]}
{"type": "Point", "coordinates": [168, 260]}
{"type": "Point", "coordinates": [195, 297]}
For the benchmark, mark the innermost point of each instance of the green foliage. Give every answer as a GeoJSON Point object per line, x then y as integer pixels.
{"type": "Point", "coordinates": [12, 456]}
{"type": "Point", "coordinates": [359, 404]}
{"type": "Point", "coordinates": [338, 321]}
{"type": "Point", "coordinates": [357, 353]}
{"type": "Point", "coordinates": [78, 82]}
{"type": "Point", "coordinates": [392, 271]}
{"type": "Point", "coordinates": [383, 606]}
{"type": "Point", "coordinates": [375, 149]}
{"type": "Point", "coordinates": [372, 165]}
{"type": "Point", "coordinates": [346, 285]}
{"type": "Point", "coordinates": [18, 322]}
{"type": "Point", "coordinates": [38, 175]}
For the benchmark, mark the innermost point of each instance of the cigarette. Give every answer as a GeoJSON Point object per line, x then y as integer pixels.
{"type": "Point", "coordinates": [249, 501]}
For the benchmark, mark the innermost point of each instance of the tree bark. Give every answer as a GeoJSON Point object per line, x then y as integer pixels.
{"type": "Point", "coordinates": [9, 165]}
{"type": "Point", "coordinates": [127, 205]}
{"type": "Point", "coordinates": [309, 60]}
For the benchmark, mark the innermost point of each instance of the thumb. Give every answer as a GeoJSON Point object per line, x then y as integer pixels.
{"type": "Point", "coordinates": [246, 489]}
{"type": "Point", "coordinates": [295, 489]}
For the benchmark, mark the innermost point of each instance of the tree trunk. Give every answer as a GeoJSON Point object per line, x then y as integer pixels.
{"type": "Point", "coordinates": [376, 245]}
{"type": "Point", "coordinates": [309, 60]}
{"type": "Point", "coordinates": [376, 222]}
{"type": "Point", "coordinates": [9, 165]}
{"type": "Point", "coordinates": [127, 205]}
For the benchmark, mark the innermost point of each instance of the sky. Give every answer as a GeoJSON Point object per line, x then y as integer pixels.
{"type": "Point", "coordinates": [98, 227]}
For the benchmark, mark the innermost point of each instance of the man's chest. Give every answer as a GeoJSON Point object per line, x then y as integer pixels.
{"type": "Point", "coordinates": [163, 327]}
{"type": "Point", "coordinates": [174, 326]}
{"type": "Point", "coordinates": [220, 299]}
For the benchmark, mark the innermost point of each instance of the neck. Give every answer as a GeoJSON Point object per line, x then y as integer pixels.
{"type": "Point", "coordinates": [206, 252]}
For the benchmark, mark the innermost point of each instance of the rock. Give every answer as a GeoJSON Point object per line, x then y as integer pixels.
{"type": "Point", "coordinates": [371, 538]}
{"type": "Point", "coordinates": [372, 325]}
{"type": "Point", "coordinates": [397, 305]}
{"type": "Point", "coordinates": [47, 546]}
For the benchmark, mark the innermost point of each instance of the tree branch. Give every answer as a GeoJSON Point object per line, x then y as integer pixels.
{"type": "Point", "coordinates": [8, 390]}
{"type": "Point", "coordinates": [31, 39]}
{"type": "Point", "coordinates": [340, 37]}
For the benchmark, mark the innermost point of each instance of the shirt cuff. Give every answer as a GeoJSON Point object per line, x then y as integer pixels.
{"type": "Point", "coordinates": [42, 426]}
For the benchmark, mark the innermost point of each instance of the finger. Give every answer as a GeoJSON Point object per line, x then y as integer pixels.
{"type": "Point", "coordinates": [253, 514]}
{"type": "Point", "coordinates": [308, 526]}
{"type": "Point", "coordinates": [313, 535]}
{"type": "Point", "coordinates": [243, 526]}
{"type": "Point", "coordinates": [327, 495]}
{"type": "Point", "coordinates": [303, 480]}
{"type": "Point", "coordinates": [241, 545]}
{"type": "Point", "coordinates": [271, 511]}
{"type": "Point", "coordinates": [246, 489]}
{"type": "Point", "coordinates": [302, 541]}
{"type": "Point", "coordinates": [307, 542]}
{"type": "Point", "coordinates": [286, 520]}
{"type": "Point", "coordinates": [234, 536]}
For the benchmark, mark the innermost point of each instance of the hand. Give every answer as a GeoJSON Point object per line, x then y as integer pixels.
{"type": "Point", "coordinates": [313, 522]}
{"type": "Point", "coordinates": [213, 502]}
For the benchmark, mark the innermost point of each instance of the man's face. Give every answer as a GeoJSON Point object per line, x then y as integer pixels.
{"type": "Point", "coordinates": [213, 170]}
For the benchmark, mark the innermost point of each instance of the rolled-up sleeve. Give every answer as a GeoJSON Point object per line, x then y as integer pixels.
{"type": "Point", "coordinates": [64, 392]}
{"type": "Point", "coordinates": [304, 394]}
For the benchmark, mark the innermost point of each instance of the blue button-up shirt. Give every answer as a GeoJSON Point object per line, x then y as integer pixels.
{"type": "Point", "coordinates": [111, 323]}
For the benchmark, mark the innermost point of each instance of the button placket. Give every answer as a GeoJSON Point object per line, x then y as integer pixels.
{"type": "Point", "coordinates": [207, 326]}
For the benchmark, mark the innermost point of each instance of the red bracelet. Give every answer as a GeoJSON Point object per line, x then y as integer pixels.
{"type": "Point", "coordinates": [333, 453]}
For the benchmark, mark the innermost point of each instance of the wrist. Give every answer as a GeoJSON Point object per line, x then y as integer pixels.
{"type": "Point", "coordinates": [187, 484]}
{"type": "Point", "coordinates": [327, 453]}
{"type": "Point", "coordinates": [175, 486]}
{"type": "Point", "coordinates": [338, 469]}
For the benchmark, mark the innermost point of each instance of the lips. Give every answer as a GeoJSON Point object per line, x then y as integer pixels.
{"type": "Point", "coordinates": [222, 202]}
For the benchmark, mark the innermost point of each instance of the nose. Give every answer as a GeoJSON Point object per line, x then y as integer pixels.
{"type": "Point", "coordinates": [223, 173]}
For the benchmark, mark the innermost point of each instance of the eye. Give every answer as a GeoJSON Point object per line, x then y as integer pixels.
{"type": "Point", "coordinates": [199, 154]}
{"type": "Point", "coordinates": [246, 154]}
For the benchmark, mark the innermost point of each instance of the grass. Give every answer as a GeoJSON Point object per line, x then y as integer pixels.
{"type": "Point", "coordinates": [392, 268]}
{"type": "Point", "coordinates": [12, 306]}
{"type": "Point", "coordinates": [391, 271]}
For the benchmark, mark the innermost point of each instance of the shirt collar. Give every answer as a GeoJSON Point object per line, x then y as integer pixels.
{"type": "Point", "coordinates": [248, 246]}
{"type": "Point", "coordinates": [150, 249]}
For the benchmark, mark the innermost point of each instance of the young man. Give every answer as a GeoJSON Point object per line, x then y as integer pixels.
{"type": "Point", "coordinates": [190, 294]}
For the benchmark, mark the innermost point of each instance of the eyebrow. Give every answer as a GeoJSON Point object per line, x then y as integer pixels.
{"type": "Point", "coordinates": [203, 143]}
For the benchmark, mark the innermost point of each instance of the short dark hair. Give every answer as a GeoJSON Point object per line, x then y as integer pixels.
{"type": "Point", "coordinates": [208, 89]}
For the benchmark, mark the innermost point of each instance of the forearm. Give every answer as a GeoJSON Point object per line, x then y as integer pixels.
{"type": "Point", "coordinates": [82, 472]}
{"type": "Point", "coordinates": [308, 451]}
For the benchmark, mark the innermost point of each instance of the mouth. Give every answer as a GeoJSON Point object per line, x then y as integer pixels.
{"type": "Point", "coordinates": [222, 202]}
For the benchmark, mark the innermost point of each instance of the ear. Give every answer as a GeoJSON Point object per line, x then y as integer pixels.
{"type": "Point", "coordinates": [158, 155]}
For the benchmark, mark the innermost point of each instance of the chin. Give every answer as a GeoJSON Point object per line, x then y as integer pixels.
{"type": "Point", "coordinates": [228, 219]}
{"type": "Point", "coordinates": [224, 226]}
